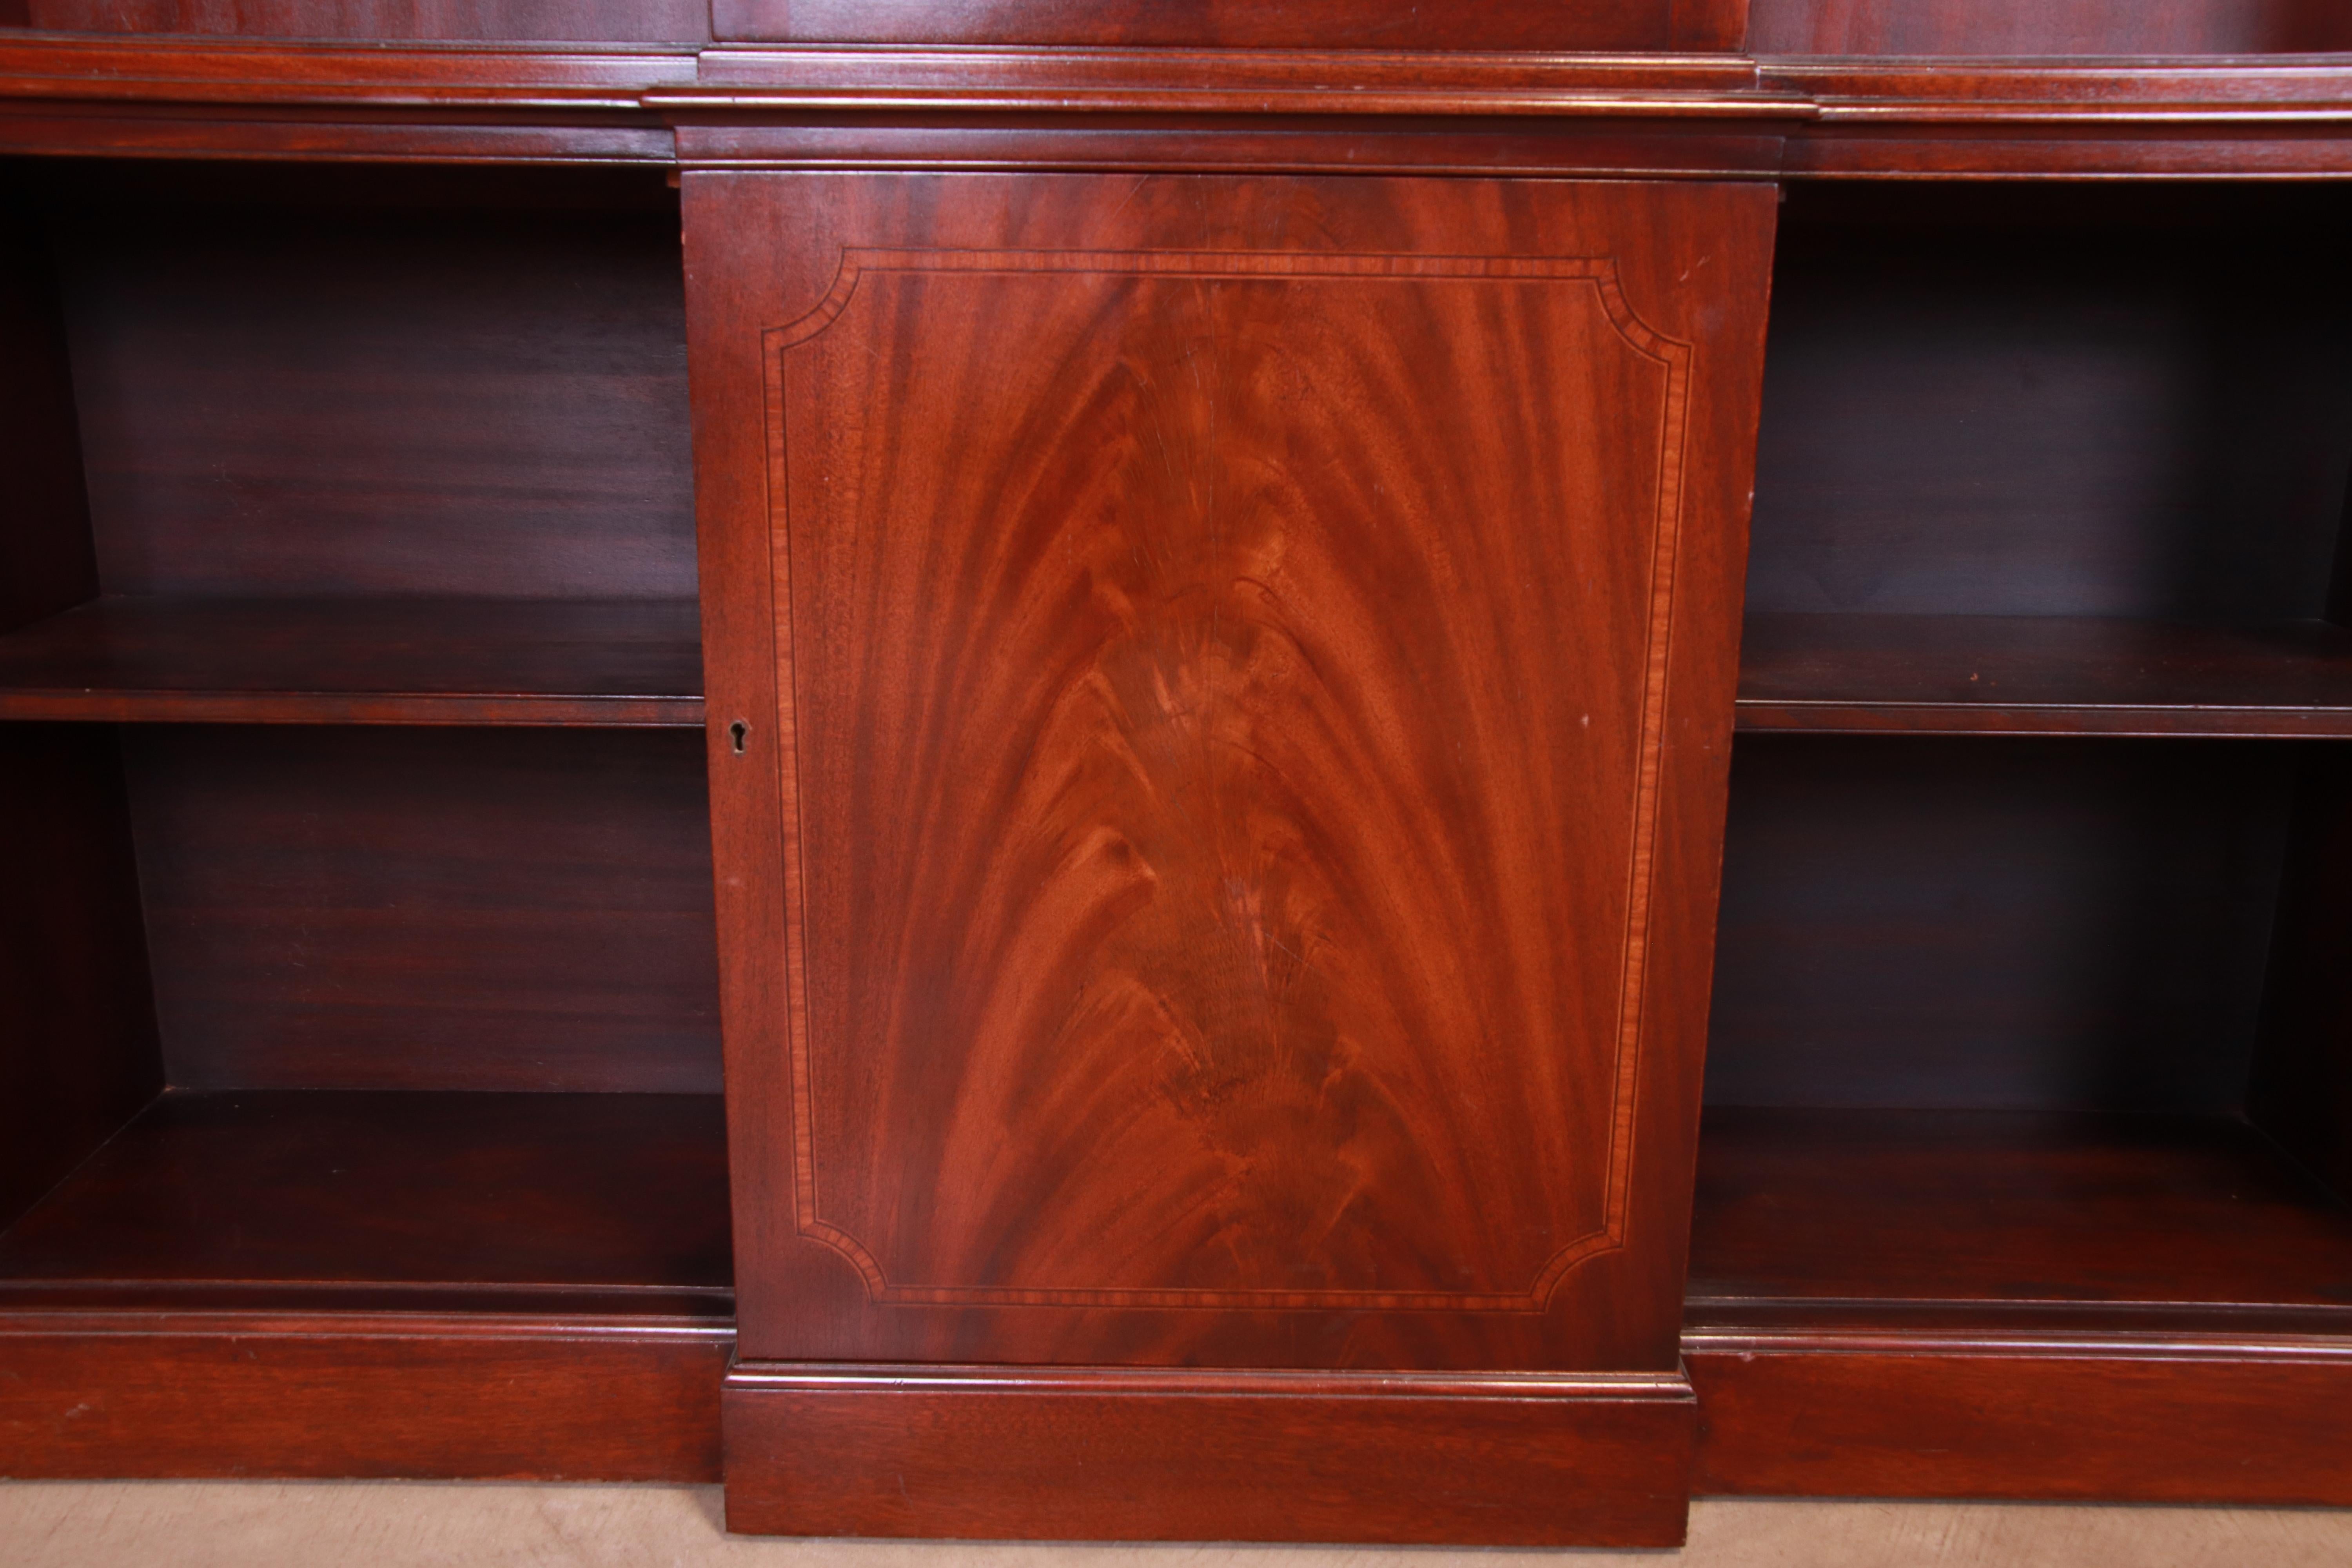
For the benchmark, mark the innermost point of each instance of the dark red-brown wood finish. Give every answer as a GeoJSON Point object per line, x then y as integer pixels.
{"type": "Point", "coordinates": [1228, 711]}
{"type": "Point", "coordinates": [407, 449]}
{"type": "Point", "coordinates": [2181, 1418]}
{"type": "Point", "coordinates": [1519, 1459]}
{"type": "Point", "coordinates": [589, 21]}
{"type": "Point", "coordinates": [617, 663]}
{"type": "Point", "coordinates": [1228, 817]}
{"type": "Point", "coordinates": [1495, 26]}
{"type": "Point", "coordinates": [2054, 27]}
{"type": "Point", "coordinates": [399, 1394]}
{"type": "Point", "coordinates": [1200, 587]}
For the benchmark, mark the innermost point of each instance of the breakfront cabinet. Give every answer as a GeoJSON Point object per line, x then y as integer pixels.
{"type": "Point", "coordinates": [1325, 771]}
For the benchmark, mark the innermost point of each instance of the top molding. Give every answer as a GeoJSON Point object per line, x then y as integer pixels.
{"type": "Point", "coordinates": [2229, 116]}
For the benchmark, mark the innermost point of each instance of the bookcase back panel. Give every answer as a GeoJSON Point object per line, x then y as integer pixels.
{"type": "Point", "coordinates": [428, 909]}
{"type": "Point", "coordinates": [289, 389]}
{"type": "Point", "coordinates": [2013, 925]}
{"type": "Point", "coordinates": [2055, 402]}
{"type": "Point", "coordinates": [2046, 27]}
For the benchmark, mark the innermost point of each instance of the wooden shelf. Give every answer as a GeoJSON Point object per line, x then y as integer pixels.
{"type": "Point", "coordinates": [360, 661]}
{"type": "Point", "coordinates": [456, 1200]}
{"type": "Point", "coordinates": [1996, 1207]}
{"type": "Point", "coordinates": [1986, 675]}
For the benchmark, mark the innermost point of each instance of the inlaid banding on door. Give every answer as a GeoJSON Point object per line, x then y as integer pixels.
{"type": "Point", "coordinates": [1206, 721]}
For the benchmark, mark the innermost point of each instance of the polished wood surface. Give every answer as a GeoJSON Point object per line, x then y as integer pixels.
{"type": "Point", "coordinates": [1994, 418]}
{"type": "Point", "coordinates": [2020, 924]}
{"type": "Point", "coordinates": [261, 1190]}
{"type": "Point", "coordinates": [1492, 25]}
{"type": "Point", "coordinates": [1184, 847]}
{"type": "Point", "coordinates": [2193, 1420]}
{"type": "Point", "coordinates": [233, 1395]}
{"type": "Point", "coordinates": [598, 21]}
{"type": "Point", "coordinates": [431, 909]}
{"type": "Point", "coordinates": [1993, 1206]}
{"type": "Point", "coordinates": [1956, 119]}
{"type": "Point", "coordinates": [2059, 28]}
{"type": "Point", "coordinates": [963, 1452]}
{"type": "Point", "coordinates": [615, 663]}
{"type": "Point", "coordinates": [1712, 147]}
{"type": "Point", "coordinates": [1993, 675]}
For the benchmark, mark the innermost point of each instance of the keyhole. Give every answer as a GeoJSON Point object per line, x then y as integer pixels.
{"type": "Point", "coordinates": [738, 732]}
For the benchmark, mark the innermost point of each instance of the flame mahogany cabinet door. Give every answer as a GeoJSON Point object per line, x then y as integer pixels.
{"type": "Point", "coordinates": [1222, 693]}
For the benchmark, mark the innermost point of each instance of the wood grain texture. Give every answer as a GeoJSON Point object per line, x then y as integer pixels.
{"type": "Point", "coordinates": [2039, 925]}
{"type": "Point", "coordinates": [599, 1194]}
{"type": "Point", "coordinates": [285, 392]}
{"type": "Point", "coordinates": [1589, 145]}
{"type": "Point", "coordinates": [1997, 675]}
{"type": "Point", "coordinates": [618, 663]}
{"type": "Point", "coordinates": [77, 1045]}
{"type": "Point", "coordinates": [2249, 1423]}
{"type": "Point", "coordinates": [1166, 589]}
{"type": "Point", "coordinates": [2297, 149]}
{"type": "Point", "coordinates": [984, 1453]}
{"type": "Point", "coordinates": [1500, 25]}
{"type": "Point", "coordinates": [332, 140]}
{"type": "Point", "coordinates": [2045, 27]}
{"type": "Point", "coordinates": [248, 1396]}
{"type": "Point", "coordinates": [592, 21]}
{"type": "Point", "coordinates": [2143, 93]}
{"type": "Point", "coordinates": [1173, 815]}
{"type": "Point", "coordinates": [1987, 1206]}
{"type": "Point", "coordinates": [2019, 401]}
{"type": "Point", "coordinates": [1353, 84]}
{"type": "Point", "coordinates": [593, 84]}
{"type": "Point", "coordinates": [428, 909]}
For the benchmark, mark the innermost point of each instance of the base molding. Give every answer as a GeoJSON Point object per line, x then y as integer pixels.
{"type": "Point", "coordinates": [101, 1396]}
{"type": "Point", "coordinates": [1109, 1454]}
{"type": "Point", "coordinates": [2252, 1420]}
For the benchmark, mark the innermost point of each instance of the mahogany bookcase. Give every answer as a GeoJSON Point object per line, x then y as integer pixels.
{"type": "Point", "coordinates": [1323, 771]}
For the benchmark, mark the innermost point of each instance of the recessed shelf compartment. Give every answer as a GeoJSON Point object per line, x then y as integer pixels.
{"type": "Point", "coordinates": [1978, 1207]}
{"type": "Point", "coordinates": [2027, 1137]}
{"type": "Point", "coordinates": [621, 662]}
{"type": "Point", "coordinates": [359, 1051]}
{"type": "Point", "coordinates": [454, 1200]}
{"type": "Point", "coordinates": [2037, 1023]}
{"type": "Point", "coordinates": [1993, 675]}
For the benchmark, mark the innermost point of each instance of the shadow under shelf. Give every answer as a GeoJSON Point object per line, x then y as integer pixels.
{"type": "Point", "coordinates": [1989, 675]}
{"type": "Point", "coordinates": [387, 660]}
{"type": "Point", "coordinates": [550, 1204]}
{"type": "Point", "coordinates": [1896, 1219]}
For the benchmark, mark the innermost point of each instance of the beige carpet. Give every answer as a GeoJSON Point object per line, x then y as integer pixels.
{"type": "Point", "coordinates": [388, 1525]}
